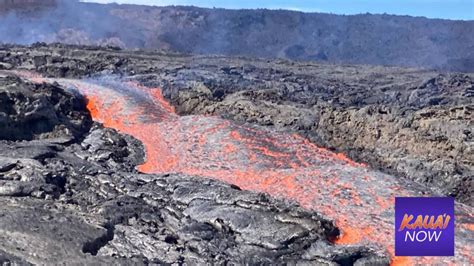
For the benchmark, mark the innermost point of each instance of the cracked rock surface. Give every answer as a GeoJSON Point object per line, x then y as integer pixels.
{"type": "Point", "coordinates": [77, 199]}
{"type": "Point", "coordinates": [37, 111]}
{"type": "Point", "coordinates": [411, 123]}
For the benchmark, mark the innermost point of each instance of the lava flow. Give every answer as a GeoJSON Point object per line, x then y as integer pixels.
{"type": "Point", "coordinates": [283, 165]}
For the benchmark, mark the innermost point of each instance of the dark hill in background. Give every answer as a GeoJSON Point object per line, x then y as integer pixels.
{"type": "Point", "coordinates": [359, 39]}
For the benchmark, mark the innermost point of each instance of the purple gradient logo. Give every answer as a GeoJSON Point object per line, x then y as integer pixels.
{"type": "Point", "coordinates": [424, 226]}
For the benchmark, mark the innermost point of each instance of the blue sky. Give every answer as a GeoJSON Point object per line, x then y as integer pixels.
{"type": "Point", "coordinates": [448, 9]}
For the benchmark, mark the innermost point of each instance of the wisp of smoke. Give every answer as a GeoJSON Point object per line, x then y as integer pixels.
{"type": "Point", "coordinates": [66, 21]}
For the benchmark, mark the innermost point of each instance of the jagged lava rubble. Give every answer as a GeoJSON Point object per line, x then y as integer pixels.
{"type": "Point", "coordinates": [67, 176]}
{"type": "Point", "coordinates": [411, 123]}
{"type": "Point", "coordinates": [77, 198]}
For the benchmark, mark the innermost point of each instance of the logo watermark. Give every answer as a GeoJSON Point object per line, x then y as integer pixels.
{"type": "Point", "coordinates": [424, 226]}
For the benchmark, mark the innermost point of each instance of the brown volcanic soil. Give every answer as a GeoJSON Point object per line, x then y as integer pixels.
{"type": "Point", "coordinates": [411, 123]}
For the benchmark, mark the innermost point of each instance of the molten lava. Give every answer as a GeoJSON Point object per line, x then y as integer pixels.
{"type": "Point", "coordinates": [283, 165]}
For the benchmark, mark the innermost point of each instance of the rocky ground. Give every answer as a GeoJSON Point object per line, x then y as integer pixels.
{"type": "Point", "coordinates": [376, 39]}
{"type": "Point", "coordinates": [74, 185]}
{"type": "Point", "coordinates": [414, 125]}
{"type": "Point", "coordinates": [80, 199]}
{"type": "Point", "coordinates": [411, 123]}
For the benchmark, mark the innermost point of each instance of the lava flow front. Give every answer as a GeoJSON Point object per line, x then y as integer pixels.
{"type": "Point", "coordinates": [283, 165]}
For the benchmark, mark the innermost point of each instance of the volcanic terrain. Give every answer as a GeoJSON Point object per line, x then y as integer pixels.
{"type": "Point", "coordinates": [113, 156]}
{"type": "Point", "coordinates": [376, 39]}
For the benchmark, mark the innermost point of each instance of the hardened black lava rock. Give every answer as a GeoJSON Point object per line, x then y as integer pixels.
{"type": "Point", "coordinates": [81, 201]}
{"type": "Point", "coordinates": [36, 111]}
{"type": "Point", "coordinates": [411, 123]}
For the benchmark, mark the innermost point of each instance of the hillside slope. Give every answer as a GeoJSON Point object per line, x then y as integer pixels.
{"type": "Point", "coordinates": [359, 39]}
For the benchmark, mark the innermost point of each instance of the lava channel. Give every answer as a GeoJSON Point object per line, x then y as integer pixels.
{"type": "Point", "coordinates": [358, 199]}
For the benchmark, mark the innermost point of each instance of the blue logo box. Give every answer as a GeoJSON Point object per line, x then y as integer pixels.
{"type": "Point", "coordinates": [424, 226]}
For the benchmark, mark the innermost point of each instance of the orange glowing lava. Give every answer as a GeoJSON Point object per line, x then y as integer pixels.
{"type": "Point", "coordinates": [284, 165]}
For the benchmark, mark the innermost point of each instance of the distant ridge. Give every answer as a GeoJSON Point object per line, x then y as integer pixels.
{"type": "Point", "coordinates": [13, 4]}
{"type": "Point", "coordinates": [356, 39]}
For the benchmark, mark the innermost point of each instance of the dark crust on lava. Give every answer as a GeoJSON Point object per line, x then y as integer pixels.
{"type": "Point", "coordinates": [77, 199]}
{"type": "Point", "coordinates": [411, 123]}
